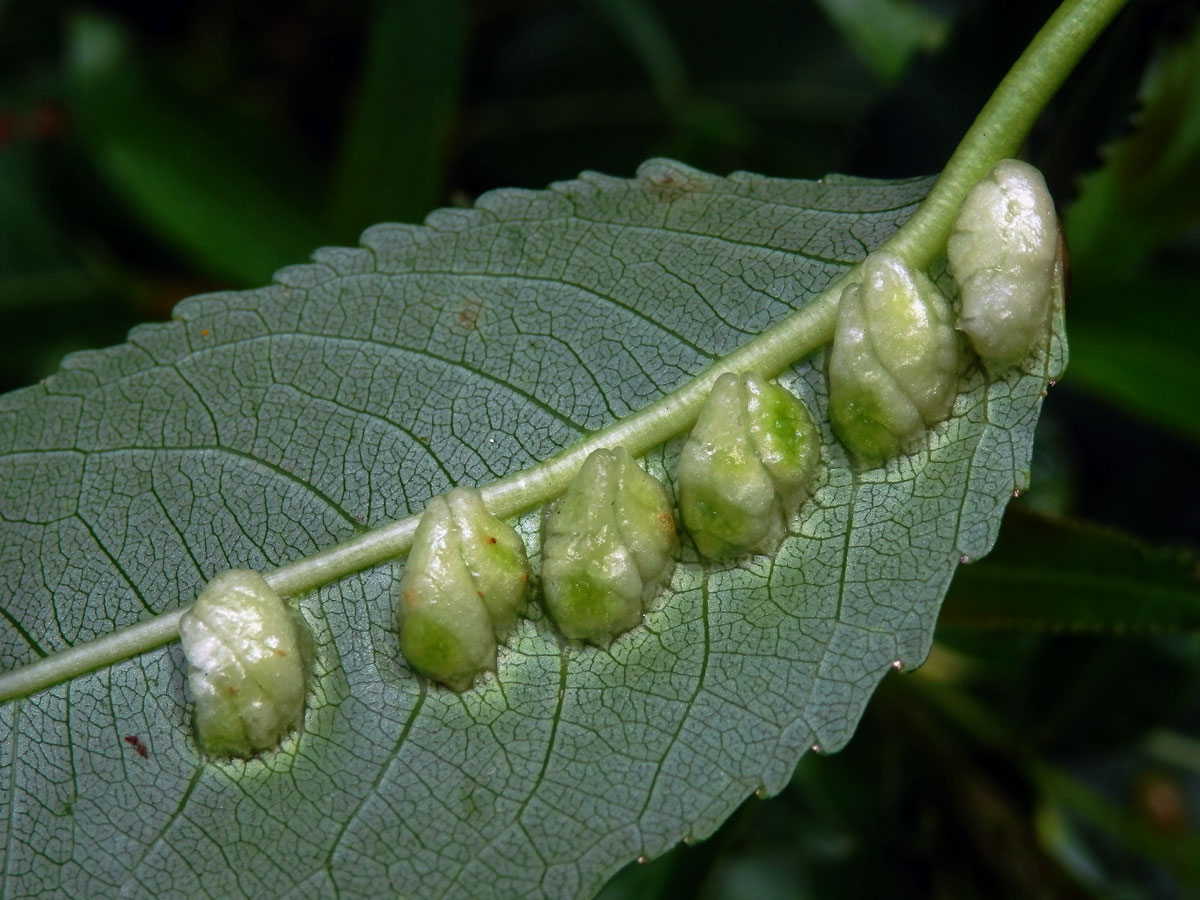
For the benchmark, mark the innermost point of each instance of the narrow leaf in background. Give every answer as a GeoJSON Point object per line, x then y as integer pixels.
{"type": "Point", "coordinates": [1059, 575]}
{"type": "Point", "coordinates": [647, 36]}
{"type": "Point", "coordinates": [886, 33]}
{"type": "Point", "coordinates": [232, 195]}
{"type": "Point", "coordinates": [394, 150]}
{"type": "Point", "coordinates": [1133, 233]}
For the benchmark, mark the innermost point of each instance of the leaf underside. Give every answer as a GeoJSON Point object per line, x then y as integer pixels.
{"type": "Point", "coordinates": [260, 426]}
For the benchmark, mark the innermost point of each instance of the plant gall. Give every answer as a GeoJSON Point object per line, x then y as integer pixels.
{"type": "Point", "coordinates": [894, 360]}
{"type": "Point", "coordinates": [1004, 255]}
{"type": "Point", "coordinates": [608, 545]}
{"type": "Point", "coordinates": [464, 585]}
{"type": "Point", "coordinates": [247, 658]}
{"type": "Point", "coordinates": [745, 466]}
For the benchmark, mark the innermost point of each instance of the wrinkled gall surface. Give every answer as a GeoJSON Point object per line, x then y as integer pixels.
{"type": "Point", "coordinates": [894, 361]}
{"type": "Point", "coordinates": [608, 546]}
{"type": "Point", "coordinates": [464, 585]}
{"type": "Point", "coordinates": [745, 466]}
{"type": "Point", "coordinates": [1004, 255]}
{"type": "Point", "coordinates": [247, 655]}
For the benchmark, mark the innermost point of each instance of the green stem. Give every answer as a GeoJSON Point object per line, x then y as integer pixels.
{"type": "Point", "coordinates": [770, 353]}
{"type": "Point", "coordinates": [997, 134]}
{"type": "Point", "coordinates": [66, 664]}
{"type": "Point", "coordinates": [1003, 124]}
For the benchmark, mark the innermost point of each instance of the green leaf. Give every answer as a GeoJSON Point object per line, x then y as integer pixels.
{"type": "Point", "coordinates": [1148, 367]}
{"type": "Point", "coordinates": [646, 34]}
{"type": "Point", "coordinates": [260, 426]}
{"type": "Point", "coordinates": [1180, 853]}
{"type": "Point", "coordinates": [1148, 190]}
{"type": "Point", "coordinates": [229, 194]}
{"type": "Point", "coordinates": [1059, 575]}
{"type": "Point", "coordinates": [394, 156]}
{"type": "Point", "coordinates": [885, 33]}
{"type": "Point", "coordinates": [1126, 231]}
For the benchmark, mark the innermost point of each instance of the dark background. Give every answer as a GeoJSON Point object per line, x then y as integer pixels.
{"type": "Point", "coordinates": [149, 152]}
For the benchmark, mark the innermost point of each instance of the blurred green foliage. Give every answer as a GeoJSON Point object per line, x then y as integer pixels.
{"type": "Point", "coordinates": [1051, 745]}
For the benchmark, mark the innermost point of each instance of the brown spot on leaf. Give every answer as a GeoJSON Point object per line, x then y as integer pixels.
{"type": "Point", "coordinates": [138, 745]}
{"type": "Point", "coordinates": [468, 314]}
{"type": "Point", "coordinates": [666, 180]}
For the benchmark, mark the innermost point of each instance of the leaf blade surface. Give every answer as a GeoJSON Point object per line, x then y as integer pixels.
{"type": "Point", "coordinates": [263, 425]}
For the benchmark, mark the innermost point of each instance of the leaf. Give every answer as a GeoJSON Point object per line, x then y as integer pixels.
{"type": "Point", "coordinates": [647, 36]}
{"type": "Point", "coordinates": [38, 277]}
{"type": "Point", "coordinates": [1060, 575]}
{"type": "Point", "coordinates": [1126, 232]}
{"type": "Point", "coordinates": [227, 191]}
{"type": "Point", "coordinates": [260, 426]}
{"type": "Point", "coordinates": [885, 34]}
{"type": "Point", "coordinates": [1179, 853]}
{"type": "Point", "coordinates": [1148, 189]}
{"type": "Point", "coordinates": [394, 152]}
{"type": "Point", "coordinates": [1147, 367]}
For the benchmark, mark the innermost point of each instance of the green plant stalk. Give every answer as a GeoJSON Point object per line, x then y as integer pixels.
{"type": "Point", "coordinates": [1003, 124]}
{"type": "Point", "coordinates": [997, 133]}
